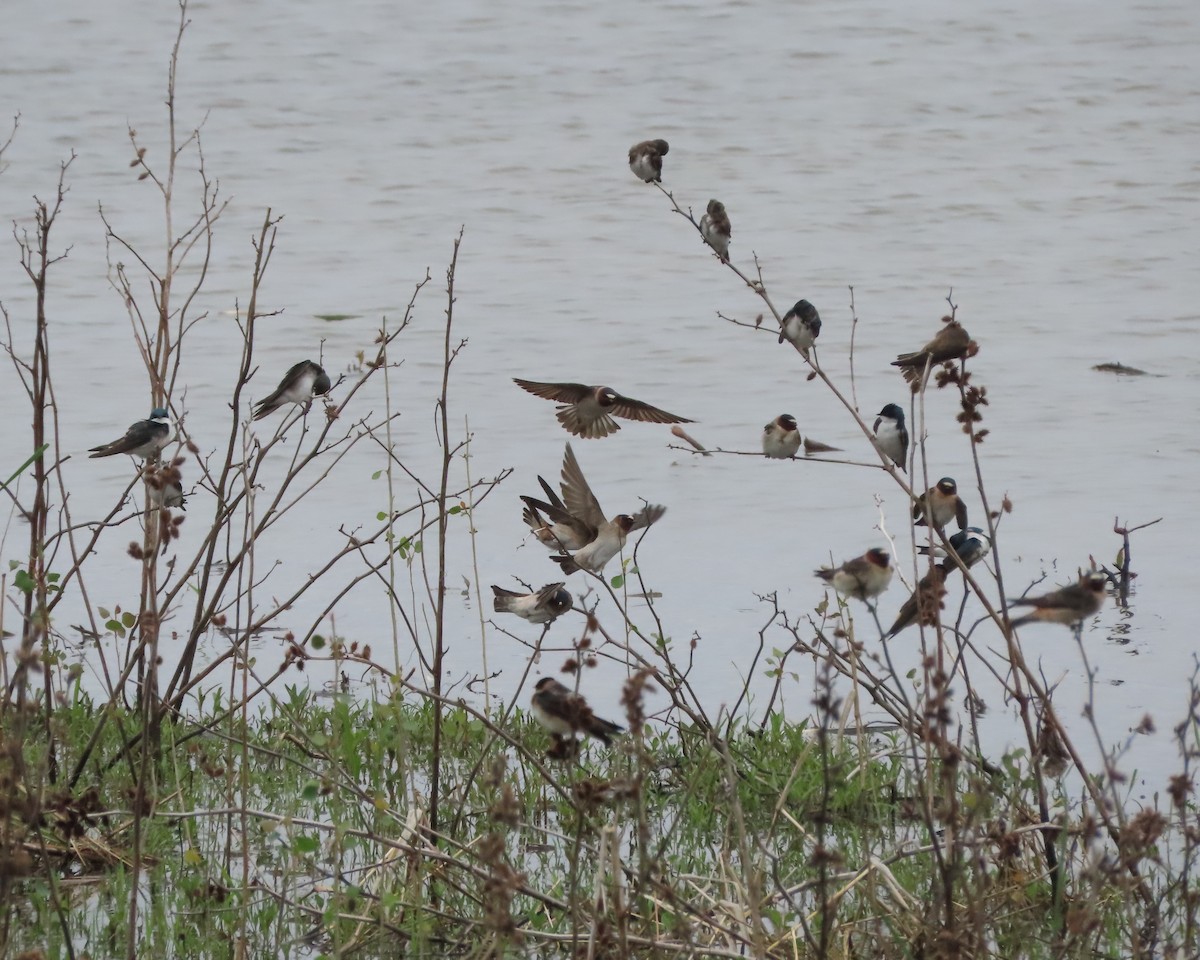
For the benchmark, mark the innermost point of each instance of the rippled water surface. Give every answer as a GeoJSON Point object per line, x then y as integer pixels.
{"type": "Point", "coordinates": [1041, 160]}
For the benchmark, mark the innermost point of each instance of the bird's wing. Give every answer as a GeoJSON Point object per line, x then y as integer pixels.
{"type": "Point", "coordinates": [632, 409]}
{"type": "Point", "coordinates": [650, 513]}
{"type": "Point", "coordinates": [960, 514]}
{"type": "Point", "coordinates": [560, 392]}
{"type": "Point", "coordinates": [577, 494]}
{"type": "Point", "coordinates": [547, 594]}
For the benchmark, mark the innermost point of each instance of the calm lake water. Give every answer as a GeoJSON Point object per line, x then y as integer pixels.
{"type": "Point", "coordinates": [1041, 160]}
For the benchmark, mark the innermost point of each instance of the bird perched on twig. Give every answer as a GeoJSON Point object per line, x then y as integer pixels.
{"type": "Point", "coordinates": [145, 438]}
{"type": "Point", "coordinates": [925, 604]}
{"type": "Point", "coordinates": [970, 546]}
{"type": "Point", "coordinates": [952, 342]}
{"type": "Point", "coordinates": [645, 159]}
{"type": "Point", "coordinates": [941, 503]}
{"type": "Point", "coordinates": [588, 411]}
{"type": "Point", "coordinates": [1069, 606]}
{"type": "Point", "coordinates": [300, 384]}
{"type": "Point", "coordinates": [892, 435]}
{"type": "Point", "coordinates": [565, 713]}
{"type": "Point", "coordinates": [781, 440]}
{"type": "Point", "coordinates": [544, 606]}
{"type": "Point", "coordinates": [715, 229]}
{"type": "Point", "coordinates": [800, 326]}
{"type": "Point", "coordinates": [862, 578]}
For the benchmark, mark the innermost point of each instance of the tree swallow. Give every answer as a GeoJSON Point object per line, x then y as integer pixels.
{"type": "Point", "coordinates": [565, 713]}
{"type": "Point", "coordinates": [299, 385]}
{"type": "Point", "coordinates": [943, 503]}
{"type": "Point", "coordinates": [1069, 606]}
{"type": "Point", "coordinates": [951, 343]}
{"type": "Point", "coordinates": [801, 326]}
{"type": "Point", "coordinates": [892, 435]}
{"type": "Point", "coordinates": [144, 439]}
{"type": "Point", "coordinates": [781, 440]}
{"type": "Point", "coordinates": [715, 229]}
{"type": "Point", "coordinates": [645, 159]}
{"type": "Point", "coordinates": [925, 604]}
{"type": "Point", "coordinates": [970, 545]}
{"type": "Point", "coordinates": [545, 606]}
{"type": "Point", "coordinates": [862, 578]}
{"type": "Point", "coordinates": [588, 411]}
{"type": "Point", "coordinates": [165, 487]}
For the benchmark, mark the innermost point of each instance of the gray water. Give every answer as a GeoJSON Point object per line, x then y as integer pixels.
{"type": "Point", "coordinates": [1041, 160]}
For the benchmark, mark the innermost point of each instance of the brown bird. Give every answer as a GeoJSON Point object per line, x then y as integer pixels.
{"type": "Point", "coordinates": [545, 606]}
{"type": "Point", "coordinates": [577, 521]}
{"type": "Point", "coordinates": [942, 503]}
{"type": "Point", "coordinates": [1069, 606]}
{"type": "Point", "coordinates": [925, 604]}
{"type": "Point", "coordinates": [565, 713]}
{"type": "Point", "coordinates": [715, 229]}
{"type": "Point", "coordinates": [951, 343]}
{"type": "Point", "coordinates": [862, 578]}
{"type": "Point", "coordinates": [588, 411]}
{"type": "Point", "coordinates": [645, 159]}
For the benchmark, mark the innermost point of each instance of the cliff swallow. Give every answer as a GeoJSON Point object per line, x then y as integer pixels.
{"type": "Point", "coordinates": [299, 385]}
{"type": "Point", "coordinates": [1068, 606]}
{"type": "Point", "coordinates": [588, 411]}
{"type": "Point", "coordinates": [801, 326]}
{"type": "Point", "coordinates": [144, 439]}
{"type": "Point", "coordinates": [781, 440]}
{"type": "Point", "coordinates": [925, 604]}
{"type": "Point", "coordinates": [715, 228]}
{"type": "Point", "coordinates": [577, 521]}
{"type": "Point", "coordinates": [645, 159]}
{"type": "Point", "coordinates": [862, 578]}
{"type": "Point", "coordinates": [565, 713]}
{"type": "Point", "coordinates": [951, 343]}
{"type": "Point", "coordinates": [545, 606]}
{"type": "Point", "coordinates": [943, 503]}
{"type": "Point", "coordinates": [971, 545]}
{"type": "Point", "coordinates": [892, 435]}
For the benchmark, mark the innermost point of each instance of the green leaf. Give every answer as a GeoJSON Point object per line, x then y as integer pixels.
{"type": "Point", "coordinates": [36, 455]}
{"type": "Point", "coordinates": [377, 474]}
{"type": "Point", "coordinates": [23, 581]}
{"type": "Point", "coordinates": [381, 515]}
{"type": "Point", "coordinates": [305, 844]}
{"type": "Point", "coordinates": [618, 581]}
{"type": "Point", "coordinates": [128, 620]}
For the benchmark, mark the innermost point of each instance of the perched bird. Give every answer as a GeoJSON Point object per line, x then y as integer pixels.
{"type": "Point", "coordinates": [588, 411]}
{"type": "Point", "coordinates": [545, 606]}
{"type": "Point", "coordinates": [925, 604]}
{"type": "Point", "coordinates": [168, 493]}
{"type": "Point", "coordinates": [892, 435]}
{"type": "Point", "coordinates": [577, 521]}
{"type": "Point", "coordinates": [862, 578]}
{"type": "Point", "coordinates": [801, 326]}
{"type": "Point", "coordinates": [970, 545]}
{"type": "Point", "coordinates": [565, 713]}
{"type": "Point", "coordinates": [299, 385]}
{"type": "Point", "coordinates": [943, 503]}
{"type": "Point", "coordinates": [781, 440]}
{"type": "Point", "coordinates": [1069, 606]}
{"type": "Point", "coordinates": [144, 439]}
{"type": "Point", "coordinates": [645, 159]}
{"type": "Point", "coordinates": [951, 343]}
{"type": "Point", "coordinates": [714, 227]}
